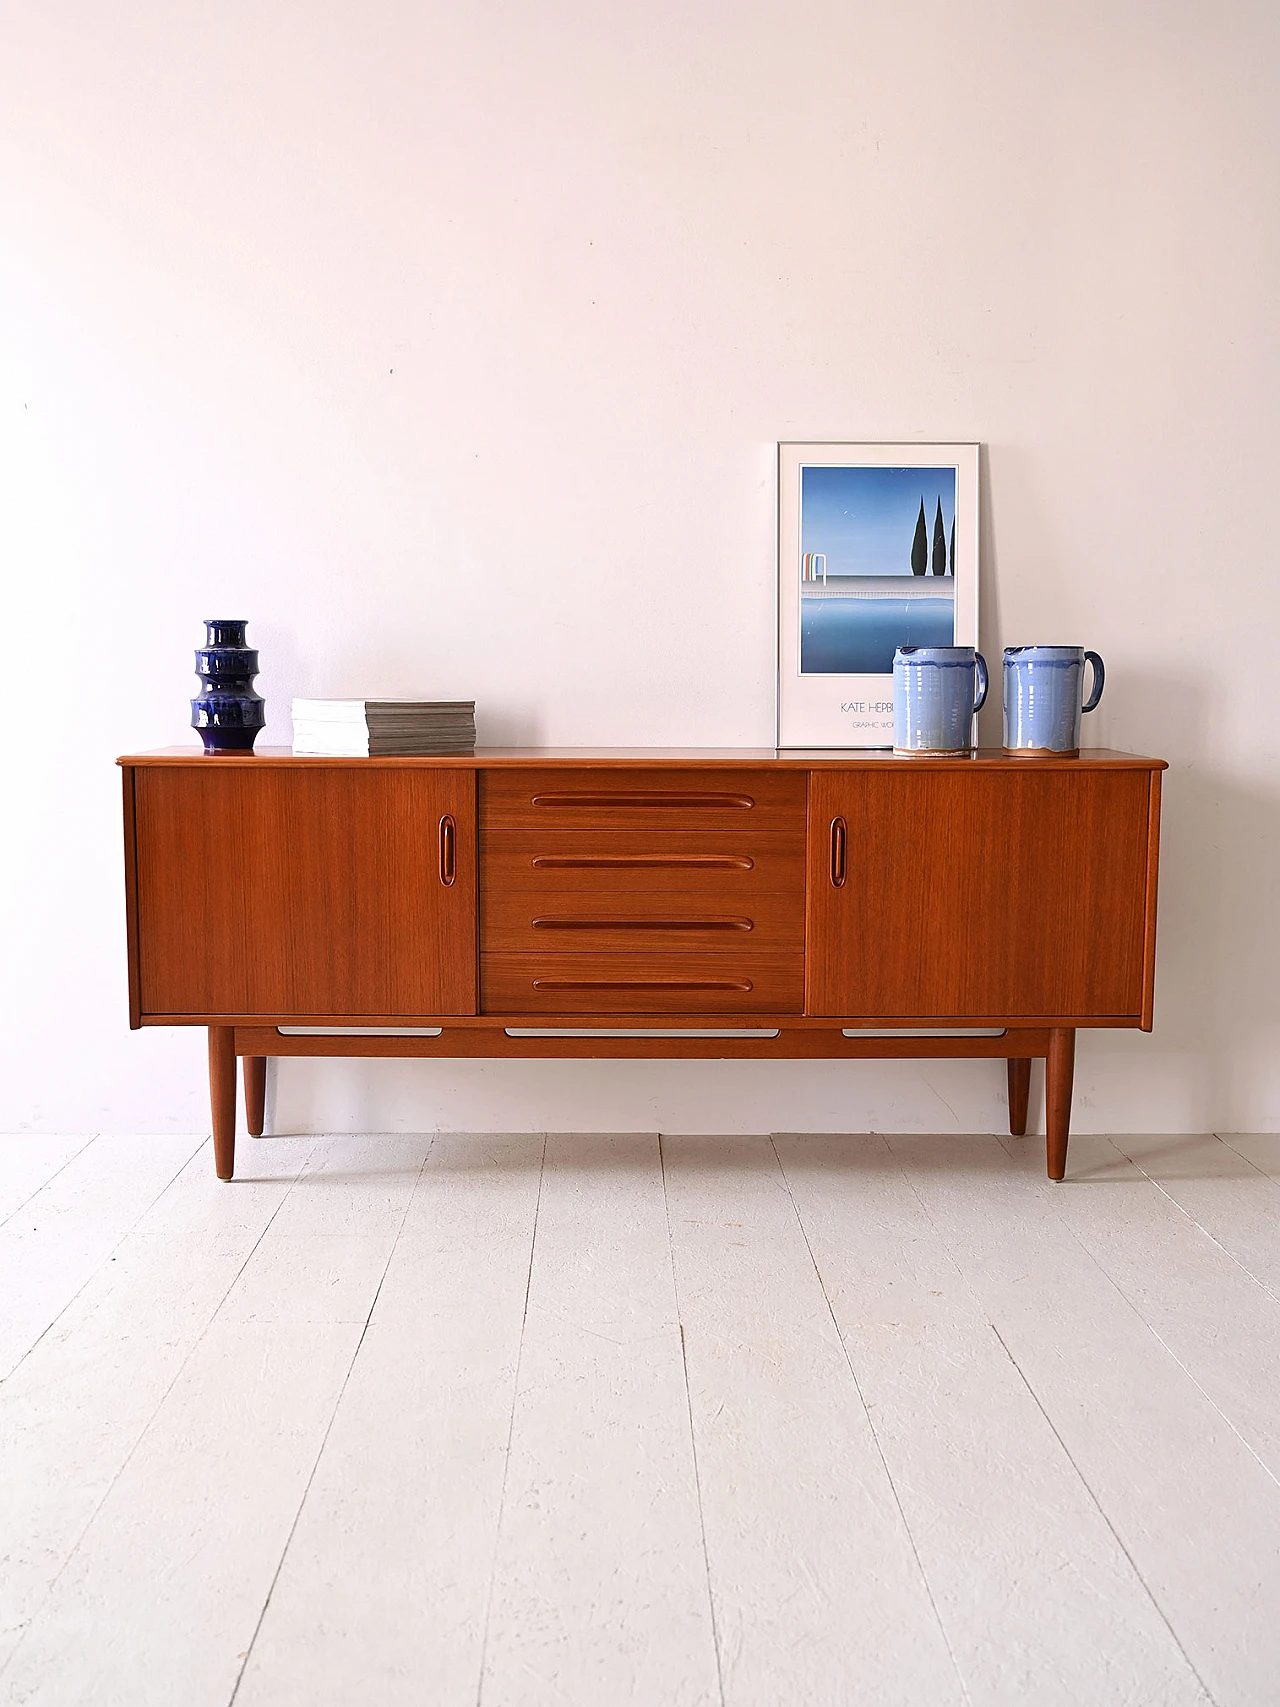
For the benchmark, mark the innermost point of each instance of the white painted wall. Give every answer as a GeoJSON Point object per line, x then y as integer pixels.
{"type": "Point", "coordinates": [450, 345]}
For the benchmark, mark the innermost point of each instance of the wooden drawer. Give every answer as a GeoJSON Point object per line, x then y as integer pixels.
{"type": "Point", "coordinates": [565, 798]}
{"type": "Point", "coordinates": [656, 982]}
{"type": "Point", "coordinates": [631, 921]}
{"type": "Point", "coordinates": [727, 871]}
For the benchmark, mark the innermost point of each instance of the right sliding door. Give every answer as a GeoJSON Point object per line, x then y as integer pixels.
{"type": "Point", "coordinates": [978, 890]}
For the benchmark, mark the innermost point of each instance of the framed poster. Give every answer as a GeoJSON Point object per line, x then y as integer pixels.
{"type": "Point", "coordinates": [877, 548]}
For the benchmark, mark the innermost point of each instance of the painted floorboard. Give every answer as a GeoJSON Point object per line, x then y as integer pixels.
{"type": "Point", "coordinates": [1194, 1509]}
{"type": "Point", "coordinates": [357, 1184]}
{"type": "Point", "coordinates": [382, 1594]}
{"type": "Point", "coordinates": [1038, 1599]}
{"type": "Point", "coordinates": [600, 1587]}
{"type": "Point", "coordinates": [1219, 1189]}
{"type": "Point", "coordinates": [1262, 1149]}
{"type": "Point", "coordinates": [67, 1229]}
{"type": "Point", "coordinates": [292, 1439]}
{"type": "Point", "coordinates": [819, 1597]}
{"type": "Point", "coordinates": [28, 1161]}
{"type": "Point", "coordinates": [77, 1405]}
{"type": "Point", "coordinates": [159, 1601]}
{"type": "Point", "coordinates": [163, 1593]}
{"type": "Point", "coordinates": [1184, 1285]}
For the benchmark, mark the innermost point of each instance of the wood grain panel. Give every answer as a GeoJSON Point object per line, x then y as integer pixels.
{"type": "Point", "coordinates": [629, 921]}
{"type": "Point", "coordinates": [1153, 864]}
{"type": "Point", "coordinates": [127, 775]}
{"type": "Point", "coordinates": [720, 868]}
{"type": "Point", "coordinates": [658, 981]}
{"type": "Point", "coordinates": [304, 890]}
{"type": "Point", "coordinates": [1015, 892]}
{"type": "Point", "coordinates": [568, 798]}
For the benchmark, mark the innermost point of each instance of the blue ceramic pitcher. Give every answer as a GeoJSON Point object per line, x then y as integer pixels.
{"type": "Point", "coordinates": [936, 690]}
{"type": "Point", "coordinates": [1044, 697]}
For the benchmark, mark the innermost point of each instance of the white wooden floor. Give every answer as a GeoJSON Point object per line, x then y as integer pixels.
{"type": "Point", "coordinates": [747, 1421]}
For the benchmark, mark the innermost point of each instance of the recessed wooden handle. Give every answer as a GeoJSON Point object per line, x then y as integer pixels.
{"type": "Point", "coordinates": [650, 862]}
{"type": "Point", "coordinates": [557, 924]}
{"type": "Point", "coordinates": [448, 850]}
{"type": "Point", "coordinates": [642, 984]}
{"type": "Point", "coordinates": [839, 852]}
{"type": "Point", "coordinates": [649, 797]}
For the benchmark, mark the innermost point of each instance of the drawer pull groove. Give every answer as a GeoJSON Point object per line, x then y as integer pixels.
{"type": "Point", "coordinates": [448, 850]}
{"type": "Point", "coordinates": [554, 924]}
{"type": "Point", "coordinates": [642, 984]}
{"type": "Point", "coordinates": [648, 797]}
{"type": "Point", "coordinates": [839, 852]}
{"type": "Point", "coordinates": [641, 862]}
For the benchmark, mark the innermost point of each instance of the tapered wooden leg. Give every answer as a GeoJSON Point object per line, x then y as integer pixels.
{"type": "Point", "coordinates": [1019, 1089]}
{"type": "Point", "coordinates": [1058, 1074]}
{"type": "Point", "coordinates": [255, 1093]}
{"type": "Point", "coordinates": [222, 1097]}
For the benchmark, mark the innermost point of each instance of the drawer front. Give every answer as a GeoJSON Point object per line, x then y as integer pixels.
{"type": "Point", "coordinates": [722, 869]}
{"type": "Point", "coordinates": [631, 921]}
{"type": "Point", "coordinates": [643, 799]}
{"type": "Point", "coordinates": [728, 871]}
{"type": "Point", "coordinates": [656, 982]}
{"type": "Point", "coordinates": [642, 891]}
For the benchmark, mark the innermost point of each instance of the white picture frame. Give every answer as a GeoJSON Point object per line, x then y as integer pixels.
{"type": "Point", "coordinates": [841, 544]}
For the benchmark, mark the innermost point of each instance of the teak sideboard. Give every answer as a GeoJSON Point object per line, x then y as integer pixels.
{"type": "Point", "coordinates": [579, 903]}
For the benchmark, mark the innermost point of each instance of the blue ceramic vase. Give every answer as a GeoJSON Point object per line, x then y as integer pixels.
{"type": "Point", "coordinates": [936, 690]}
{"type": "Point", "coordinates": [229, 711]}
{"type": "Point", "coordinates": [1044, 698]}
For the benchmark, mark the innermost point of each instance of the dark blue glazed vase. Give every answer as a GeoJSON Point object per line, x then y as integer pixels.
{"type": "Point", "coordinates": [229, 712]}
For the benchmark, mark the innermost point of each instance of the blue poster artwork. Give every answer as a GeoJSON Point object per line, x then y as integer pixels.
{"type": "Point", "coordinates": [877, 566]}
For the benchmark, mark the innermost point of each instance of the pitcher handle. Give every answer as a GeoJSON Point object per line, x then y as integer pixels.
{"type": "Point", "coordinates": [980, 695]}
{"type": "Point", "coordinates": [1099, 676]}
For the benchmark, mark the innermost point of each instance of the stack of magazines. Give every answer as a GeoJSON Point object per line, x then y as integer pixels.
{"type": "Point", "coordinates": [354, 728]}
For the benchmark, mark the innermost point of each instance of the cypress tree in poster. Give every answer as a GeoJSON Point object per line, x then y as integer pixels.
{"type": "Point", "coordinates": [939, 543]}
{"type": "Point", "coordinates": [920, 545]}
{"type": "Point", "coordinates": [953, 546]}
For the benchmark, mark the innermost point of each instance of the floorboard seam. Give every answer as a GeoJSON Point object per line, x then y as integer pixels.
{"type": "Point", "coordinates": [1201, 1228]}
{"type": "Point", "coordinates": [1115, 1138]}
{"type": "Point", "coordinates": [89, 1278]}
{"type": "Point", "coordinates": [693, 1439]}
{"type": "Point", "coordinates": [1053, 1197]}
{"type": "Point", "coordinates": [986, 1317]}
{"type": "Point", "coordinates": [1266, 1173]}
{"type": "Point", "coordinates": [1102, 1513]}
{"type": "Point", "coordinates": [19, 1207]}
{"type": "Point", "coordinates": [875, 1436]}
{"type": "Point", "coordinates": [160, 1403]}
{"type": "Point", "coordinates": [511, 1426]}
{"type": "Point", "coordinates": [324, 1439]}
{"type": "Point", "coordinates": [1198, 1224]}
{"type": "Point", "coordinates": [1208, 1398]}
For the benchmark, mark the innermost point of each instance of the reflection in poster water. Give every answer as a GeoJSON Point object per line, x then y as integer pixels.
{"type": "Point", "coordinates": [858, 636]}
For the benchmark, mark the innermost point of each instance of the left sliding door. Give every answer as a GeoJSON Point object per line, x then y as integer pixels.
{"type": "Point", "coordinates": [344, 891]}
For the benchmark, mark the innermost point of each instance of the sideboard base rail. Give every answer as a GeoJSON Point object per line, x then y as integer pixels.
{"type": "Point", "coordinates": [790, 1022]}
{"type": "Point", "coordinates": [628, 1040]}
{"type": "Point", "coordinates": [1017, 1046]}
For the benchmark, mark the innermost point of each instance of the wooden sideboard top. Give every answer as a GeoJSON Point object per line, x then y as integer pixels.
{"type": "Point", "coordinates": [490, 758]}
